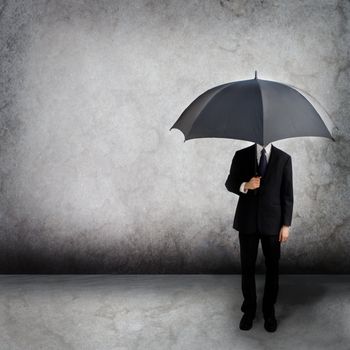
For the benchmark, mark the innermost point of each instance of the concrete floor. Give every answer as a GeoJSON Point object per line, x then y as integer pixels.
{"type": "Point", "coordinates": [168, 312]}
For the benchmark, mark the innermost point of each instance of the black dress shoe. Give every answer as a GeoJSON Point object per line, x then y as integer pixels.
{"type": "Point", "coordinates": [270, 323]}
{"type": "Point", "coordinates": [246, 322]}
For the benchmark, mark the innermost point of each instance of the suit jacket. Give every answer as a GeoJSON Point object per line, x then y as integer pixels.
{"type": "Point", "coordinates": [272, 205]}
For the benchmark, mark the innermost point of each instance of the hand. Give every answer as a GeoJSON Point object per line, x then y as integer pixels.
{"type": "Point", "coordinates": [284, 233]}
{"type": "Point", "coordinates": [253, 183]}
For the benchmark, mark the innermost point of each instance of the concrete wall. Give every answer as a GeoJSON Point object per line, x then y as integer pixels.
{"type": "Point", "coordinates": [92, 180]}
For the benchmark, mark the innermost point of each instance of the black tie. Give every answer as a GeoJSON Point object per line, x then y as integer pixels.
{"type": "Point", "coordinates": [263, 162]}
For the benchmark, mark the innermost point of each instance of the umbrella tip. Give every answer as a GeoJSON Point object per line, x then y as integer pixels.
{"type": "Point", "coordinates": [256, 75]}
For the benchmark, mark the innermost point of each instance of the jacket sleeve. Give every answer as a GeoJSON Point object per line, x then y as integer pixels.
{"type": "Point", "coordinates": [234, 179]}
{"type": "Point", "coordinates": [287, 193]}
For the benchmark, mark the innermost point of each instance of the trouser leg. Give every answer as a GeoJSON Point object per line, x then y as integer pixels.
{"type": "Point", "coordinates": [272, 252]}
{"type": "Point", "coordinates": [248, 251]}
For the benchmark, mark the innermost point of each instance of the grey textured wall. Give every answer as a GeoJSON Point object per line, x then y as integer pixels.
{"type": "Point", "coordinates": [92, 180]}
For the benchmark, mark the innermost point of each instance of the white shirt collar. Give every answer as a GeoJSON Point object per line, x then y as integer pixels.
{"type": "Point", "coordinates": [267, 148]}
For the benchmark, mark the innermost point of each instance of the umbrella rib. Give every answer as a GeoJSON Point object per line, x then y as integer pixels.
{"type": "Point", "coordinates": [305, 92]}
{"type": "Point", "coordinates": [206, 104]}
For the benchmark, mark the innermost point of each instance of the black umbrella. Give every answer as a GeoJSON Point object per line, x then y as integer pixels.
{"type": "Point", "coordinates": [254, 110]}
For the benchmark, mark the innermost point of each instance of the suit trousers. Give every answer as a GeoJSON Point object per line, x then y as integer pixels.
{"type": "Point", "coordinates": [272, 251]}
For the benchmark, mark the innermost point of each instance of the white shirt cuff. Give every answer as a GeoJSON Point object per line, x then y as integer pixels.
{"type": "Point", "coordinates": [242, 188]}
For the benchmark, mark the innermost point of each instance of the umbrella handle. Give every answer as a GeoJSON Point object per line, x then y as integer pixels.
{"type": "Point", "coordinates": [255, 191]}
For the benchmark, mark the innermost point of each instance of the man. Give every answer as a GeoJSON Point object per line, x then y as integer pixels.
{"type": "Point", "coordinates": [264, 211]}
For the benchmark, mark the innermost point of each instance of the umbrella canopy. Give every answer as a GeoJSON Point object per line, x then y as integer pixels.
{"type": "Point", "coordinates": [256, 110]}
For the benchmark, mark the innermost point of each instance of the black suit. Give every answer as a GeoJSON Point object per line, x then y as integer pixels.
{"type": "Point", "coordinates": [272, 206]}
{"type": "Point", "coordinates": [260, 214]}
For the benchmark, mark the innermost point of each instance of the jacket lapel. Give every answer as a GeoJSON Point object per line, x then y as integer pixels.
{"type": "Point", "coordinates": [253, 159]}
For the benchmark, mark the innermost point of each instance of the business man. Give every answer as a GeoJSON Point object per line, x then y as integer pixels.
{"type": "Point", "coordinates": [262, 178]}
